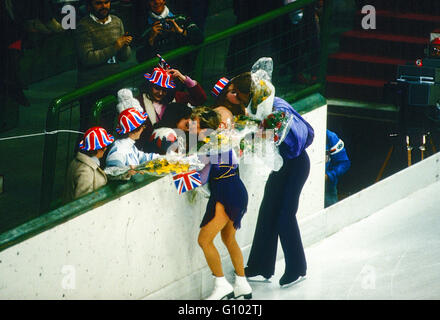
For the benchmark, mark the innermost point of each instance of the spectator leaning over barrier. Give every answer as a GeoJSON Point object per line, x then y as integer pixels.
{"type": "Point", "coordinates": [277, 214]}
{"type": "Point", "coordinates": [84, 174]}
{"type": "Point", "coordinates": [336, 164]}
{"type": "Point", "coordinates": [101, 44]}
{"type": "Point", "coordinates": [177, 115]}
{"type": "Point", "coordinates": [226, 97]}
{"type": "Point", "coordinates": [123, 152]}
{"type": "Point", "coordinates": [157, 93]}
{"type": "Point", "coordinates": [165, 31]}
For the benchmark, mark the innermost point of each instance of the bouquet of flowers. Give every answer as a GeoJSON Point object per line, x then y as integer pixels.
{"type": "Point", "coordinates": [279, 122]}
{"type": "Point", "coordinates": [171, 163]}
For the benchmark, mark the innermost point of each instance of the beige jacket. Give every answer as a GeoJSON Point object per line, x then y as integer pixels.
{"type": "Point", "coordinates": [83, 176]}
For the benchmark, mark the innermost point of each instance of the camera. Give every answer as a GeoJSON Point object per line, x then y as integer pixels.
{"type": "Point", "coordinates": [416, 91]}
{"type": "Point", "coordinates": [165, 25]}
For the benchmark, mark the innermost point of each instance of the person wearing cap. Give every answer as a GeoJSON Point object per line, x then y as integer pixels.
{"type": "Point", "coordinates": [159, 91]}
{"type": "Point", "coordinates": [123, 152]}
{"type": "Point", "coordinates": [84, 174]}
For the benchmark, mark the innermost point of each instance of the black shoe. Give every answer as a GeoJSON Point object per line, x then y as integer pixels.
{"type": "Point", "coordinates": [291, 279]}
{"type": "Point", "coordinates": [251, 273]}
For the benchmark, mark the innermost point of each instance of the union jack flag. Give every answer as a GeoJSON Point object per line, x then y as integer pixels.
{"type": "Point", "coordinates": [187, 181]}
{"type": "Point", "coordinates": [162, 63]}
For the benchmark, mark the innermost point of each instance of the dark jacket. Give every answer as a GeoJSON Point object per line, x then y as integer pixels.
{"type": "Point", "coordinates": [167, 41]}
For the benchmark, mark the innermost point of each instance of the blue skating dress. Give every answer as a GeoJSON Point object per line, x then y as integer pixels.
{"type": "Point", "coordinates": [227, 188]}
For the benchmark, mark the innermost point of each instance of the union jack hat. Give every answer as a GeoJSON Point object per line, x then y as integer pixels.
{"type": "Point", "coordinates": [96, 138]}
{"type": "Point", "coordinates": [219, 86]}
{"type": "Point", "coordinates": [161, 78]}
{"type": "Point", "coordinates": [129, 120]}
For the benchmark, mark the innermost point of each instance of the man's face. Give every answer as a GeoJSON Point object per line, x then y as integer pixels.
{"type": "Point", "coordinates": [244, 98]}
{"type": "Point", "coordinates": [157, 6]}
{"type": "Point", "coordinates": [100, 8]}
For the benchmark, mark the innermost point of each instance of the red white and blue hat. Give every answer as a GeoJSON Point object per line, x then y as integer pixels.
{"type": "Point", "coordinates": [161, 78]}
{"type": "Point", "coordinates": [95, 138]}
{"type": "Point", "coordinates": [129, 120]}
{"type": "Point", "coordinates": [219, 86]}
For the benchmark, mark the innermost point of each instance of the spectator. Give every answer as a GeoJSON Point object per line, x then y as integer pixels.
{"type": "Point", "coordinates": [123, 152]}
{"type": "Point", "coordinates": [177, 115]}
{"type": "Point", "coordinates": [336, 164]}
{"type": "Point", "coordinates": [84, 174]}
{"type": "Point", "coordinates": [226, 96]}
{"type": "Point", "coordinates": [159, 90]}
{"type": "Point", "coordinates": [101, 44]}
{"type": "Point", "coordinates": [165, 31]}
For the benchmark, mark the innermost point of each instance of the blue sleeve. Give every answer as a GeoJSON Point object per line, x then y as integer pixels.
{"type": "Point", "coordinates": [300, 134]}
{"type": "Point", "coordinates": [339, 162]}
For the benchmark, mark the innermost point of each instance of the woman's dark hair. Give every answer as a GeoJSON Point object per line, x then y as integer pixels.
{"type": "Point", "coordinates": [173, 114]}
{"type": "Point", "coordinates": [146, 88]}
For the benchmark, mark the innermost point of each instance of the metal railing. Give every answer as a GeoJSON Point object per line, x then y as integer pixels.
{"type": "Point", "coordinates": [207, 72]}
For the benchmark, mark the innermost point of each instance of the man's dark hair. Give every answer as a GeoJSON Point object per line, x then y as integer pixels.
{"type": "Point", "coordinates": [243, 82]}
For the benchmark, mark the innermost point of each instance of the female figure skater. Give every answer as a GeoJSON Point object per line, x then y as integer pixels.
{"type": "Point", "coordinates": [226, 206]}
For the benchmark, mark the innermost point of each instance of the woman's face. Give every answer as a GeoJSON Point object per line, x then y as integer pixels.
{"type": "Point", "coordinates": [231, 95]}
{"type": "Point", "coordinates": [158, 93]}
{"type": "Point", "coordinates": [184, 124]}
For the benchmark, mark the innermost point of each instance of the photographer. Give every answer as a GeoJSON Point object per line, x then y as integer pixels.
{"type": "Point", "coordinates": [161, 31]}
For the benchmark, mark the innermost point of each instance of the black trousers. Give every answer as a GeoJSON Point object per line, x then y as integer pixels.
{"type": "Point", "coordinates": [277, 218]}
